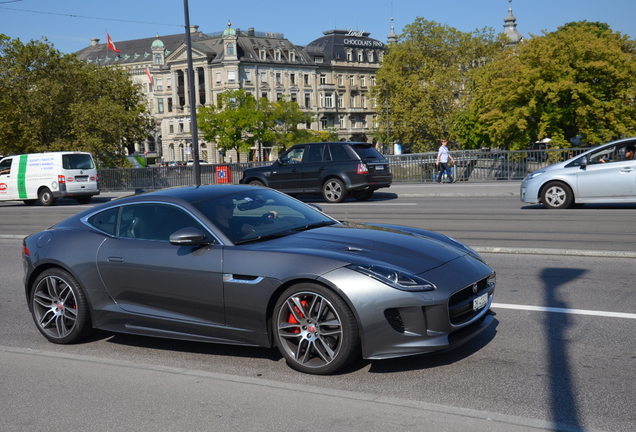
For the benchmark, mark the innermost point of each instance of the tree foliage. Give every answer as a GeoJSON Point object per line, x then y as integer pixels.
{"type": "Point", "coordinates": [238, 121]}
{"type": "Point", "coordinates": [52, 101]}
{"type": "Point", "coordinates": [579, 81]}
{"type": "Point", "coordinates": [423, 80]}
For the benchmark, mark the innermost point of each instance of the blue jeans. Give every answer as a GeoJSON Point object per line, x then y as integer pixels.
{"type": "Point", "coordinates": [443, 166]}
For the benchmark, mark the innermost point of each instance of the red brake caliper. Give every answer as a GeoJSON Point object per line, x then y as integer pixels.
{"type": "Point", "coordinates": [293, 320]}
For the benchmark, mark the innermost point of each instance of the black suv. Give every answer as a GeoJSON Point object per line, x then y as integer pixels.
{"type": "Point", "coordinates": [335, 169]}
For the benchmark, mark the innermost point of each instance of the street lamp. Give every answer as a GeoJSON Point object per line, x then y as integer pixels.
{"type": "Point", "coordinates": [193, 105]}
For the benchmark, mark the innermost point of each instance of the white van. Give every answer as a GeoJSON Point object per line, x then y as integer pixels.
{"type": "Point", "coordinates": [48, 176]}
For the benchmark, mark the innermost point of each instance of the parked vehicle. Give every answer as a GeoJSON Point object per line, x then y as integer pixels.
{"type": "Point", "coordinates": [48, 176]}
{"type": "Point", "coordinates": [605, 174]}
{"type": "Point", "coordinates": [334, 169]}
{"type": "Point", "coordinates": [253, 266]}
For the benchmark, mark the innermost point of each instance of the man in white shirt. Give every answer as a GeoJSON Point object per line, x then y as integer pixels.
{"type": "Point", "coordinates": [443, 155]}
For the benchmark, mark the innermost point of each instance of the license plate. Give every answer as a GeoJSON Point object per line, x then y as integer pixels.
{"type": "Point", "coordinates": [81, 178]}
{"type": "Point", "coordinates": [379, 168]}
{"type": "Point", "coordinates": [480, 302]}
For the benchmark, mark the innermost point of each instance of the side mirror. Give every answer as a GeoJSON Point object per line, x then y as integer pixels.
{"type": "Point", "coordinates": [583, 162]}
{"type": "Point", "coordinates": [187, 237]}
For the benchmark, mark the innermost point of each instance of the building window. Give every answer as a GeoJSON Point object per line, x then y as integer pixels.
{"type": "Point", "coordinates": [248, 76]}
{"type": "Point", "coordinates": [264, 95]}
{"type": "Point", "coordinates": [324, 123]}
{"type": "Point", "coordinates": [292, 56]}
{"type": "Point", "coordinates": [279, 96]}
{"type": "Point", "coordinates": [370, 56]}
{"type": "Point", "coordinates": [180, 127]}
{"type": "Point", "coordinates": [328, 100]}
{"type": "Point", "coordinates": [262, 54]}
{"type": "Point", "coordinates": [353, 122]}
{"type": "Point", "coordinates": [230, 49]}
{"type": "Point", "coordinates": [294, 97]}
{"type": "Point", "coordinates": [318, 59]}
{"type": "Point", "coordinates": [372, 80]}
{"type": "Point", "coordinates": [352, 102]}
{"type": "Point", "coordinates": [341, 122]}
{"type": "Point", "coordinates": [352, 80]}
{"type": "Point", "coordinates": [158, 59]}
{"type": "Point", "coordinates": [169, 104]}
{"type": "Point", "coordinates": [149, 87]}
{"type": "Point", "coordinates": [323, 79]}
{"type": "Point", "coordinates": [363, 101]}
{"type": "Point", "coordinates": [218, 77]}
{"type": "Point", "coordinates": [306, 79]}
{"type": "Point", "coordinates": [363, 81]}
{"type": "Point", "coordinates": [307, 100]}
{"type": "Point", "coordinates": [277, 55]}
{"type": "Point", "coordinates": [169, 83]}
{"type": "Point", "coordinates": [231, 76]}
{"type": "Point", "coordinates": [263, 77]}
{"type": "Point", "coordinates": [349, 55]}
{"type": "Point", "coordinates": [360, 57]}
{"type": "Point", "coordinates": [160, 105]}
{"type": "Point", "coordinates": [278, 78]}
{"type": "Point", "coordinates": [340, 101]}
{"type": "Point", "coordinates": [340, 80]}
{"type": "Point", "coordinates": [171, 129]}
{"type": "Point", "coordinates": [159, 82]}
{"type": "Point", "coordinates": [292, 78]}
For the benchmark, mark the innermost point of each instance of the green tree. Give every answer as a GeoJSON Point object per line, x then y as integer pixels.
{"type": "Point", "coordinates": [52, 101]}
{"type": "Point", "coordinates": [579, 81]}
{"type": "Point", "coordinates": [233, 123]}
{"type": "Point", "coordinates": [282, 119]}
{"type": "Point", "coordinates": [423, 80]}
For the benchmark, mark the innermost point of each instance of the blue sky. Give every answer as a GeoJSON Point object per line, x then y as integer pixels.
{"type": "Point", "coordinates": [70, 24]}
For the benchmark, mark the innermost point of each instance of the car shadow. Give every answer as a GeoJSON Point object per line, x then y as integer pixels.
{"type": "Point", "coordinates": [582, 207]}
{"type": "Point", "coordinates": [377, 197]}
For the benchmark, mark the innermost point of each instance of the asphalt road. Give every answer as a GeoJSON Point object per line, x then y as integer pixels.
{"type": "Point", "coordinates": [560, 356]}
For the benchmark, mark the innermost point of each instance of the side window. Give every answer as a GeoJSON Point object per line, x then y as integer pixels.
{"type": "Point", "coordinates": [5, 166]}
{"type": "Point", "coordinates": [154, 221]}
{"type": "Point", "coordinates": [608, 154]}
{"type": "Point", "coordinates": [294, 156]}
{"type": "Point", "coordinates": [339, 153]}
{"type": "Point", "coordinates": [105, 221]}
{"type": "Point", "coordinates": [315, 153]}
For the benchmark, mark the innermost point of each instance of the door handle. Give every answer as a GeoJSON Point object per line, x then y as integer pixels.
{"type": "Point", "coordinates": [116, 259]}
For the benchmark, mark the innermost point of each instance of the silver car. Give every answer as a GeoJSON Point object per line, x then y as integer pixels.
{"type": "Point", "coordinates": [605, 174]}
{"type": "Point", "coordinates": [252, 266]}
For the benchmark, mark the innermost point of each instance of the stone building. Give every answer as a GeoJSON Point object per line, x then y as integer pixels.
{"type": "Point", "coordinates": [330, 78]}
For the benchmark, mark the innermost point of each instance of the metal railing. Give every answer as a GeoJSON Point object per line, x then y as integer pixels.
{"type": "Point", "coordinates": [470, 165]}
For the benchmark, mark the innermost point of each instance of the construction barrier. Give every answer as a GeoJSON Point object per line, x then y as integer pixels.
{"type": "Point", "coordinates": [223, 174]}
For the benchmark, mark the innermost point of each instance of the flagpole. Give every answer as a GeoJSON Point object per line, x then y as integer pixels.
{"type": "Point", "coordinates": [193, 105]}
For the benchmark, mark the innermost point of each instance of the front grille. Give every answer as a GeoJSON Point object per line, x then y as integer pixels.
{"type": "Point", "coordinates": [460, 304]}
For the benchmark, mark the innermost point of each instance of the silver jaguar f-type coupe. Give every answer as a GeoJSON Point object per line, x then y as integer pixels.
{"type": "Point", "coordinates": [252, 266]}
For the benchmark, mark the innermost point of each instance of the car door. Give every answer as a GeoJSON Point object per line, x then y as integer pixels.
{"type": "Point", "coordinates": [145, 274]}
{"type": "Point", "coordinates": [614, 179]}
{"type": "Point", "coordinates": [317, 162]}
{"type": "Point", "coordinates": [286, 174]}
{"type": "Point", "coordinates": [8, 180]}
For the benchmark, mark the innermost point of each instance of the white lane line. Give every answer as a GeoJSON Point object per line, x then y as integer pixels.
{"type": "Point", "coordinates": [565, 311]}
{"type": "Point", "coordinates": [367, 204]}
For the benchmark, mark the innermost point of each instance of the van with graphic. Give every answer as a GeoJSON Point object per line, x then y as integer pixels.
{"type": "Point", "coordinates": [47, 177]}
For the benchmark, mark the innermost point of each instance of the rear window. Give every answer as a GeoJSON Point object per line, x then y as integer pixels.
{"type": "Point", "coordinates": [77, 161]}
{"type": "Point", "coordinates": [367, 152]}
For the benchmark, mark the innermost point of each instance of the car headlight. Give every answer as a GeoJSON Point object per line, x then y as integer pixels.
{"type": "Point", "coordinates": [394, 278]}
{"type": "Point", "coordinates": [534, 174]}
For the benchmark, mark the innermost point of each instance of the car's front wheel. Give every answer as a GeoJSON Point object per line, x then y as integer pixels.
{"type": "Point", "coordinates": [59, 307]}
{"type": "Point", "coordinates": [256, 183]}
{"type": "Point", "coordinates": [315, 330]}
{"type": "Point", "coordinates": [556, 195]}
{"type": "Point", "coordinates": [334, 191]}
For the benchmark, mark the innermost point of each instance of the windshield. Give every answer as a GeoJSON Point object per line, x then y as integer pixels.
{"type": "Point", "coordinates": [77, 161]}
{"type": "Point", "coordinates": [260, 214]}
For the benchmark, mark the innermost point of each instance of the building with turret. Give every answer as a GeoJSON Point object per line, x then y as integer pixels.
{"type": "Point", "coordinates": [330, 78]}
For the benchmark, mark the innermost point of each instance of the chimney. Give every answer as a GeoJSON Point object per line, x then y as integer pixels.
{"type": "Point", "coordinates": [194, 28]}
{"type": "Point", "coordinates": [94, 41]}
{"type": "Point", "coordinates": [250, 31]}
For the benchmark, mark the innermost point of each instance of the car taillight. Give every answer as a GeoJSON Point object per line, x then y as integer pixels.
{"type": "Point", "coordinates": [61, 179]}
{"type": "Point", "coordinates": [362, 169]}
{"type": "Point", "coordinates": [25, 250]}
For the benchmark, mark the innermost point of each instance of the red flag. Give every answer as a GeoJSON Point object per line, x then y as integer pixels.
{"type": "Point", "coordinates": [111, 45]}
{"type": "Point", "coordinates": [149, 76]}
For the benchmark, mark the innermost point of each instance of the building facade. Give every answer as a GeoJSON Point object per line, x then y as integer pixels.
{"type": "Point", "coordinates": [330, 78]}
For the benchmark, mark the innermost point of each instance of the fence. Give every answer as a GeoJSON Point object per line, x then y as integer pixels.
{"type": "Point", "coordinates": [420, 168]}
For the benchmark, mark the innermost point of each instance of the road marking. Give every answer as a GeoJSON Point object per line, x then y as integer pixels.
{"type": "Point", "coordinates": [565, 311]}
{"type": "Point", "coordinates": [367, 204]}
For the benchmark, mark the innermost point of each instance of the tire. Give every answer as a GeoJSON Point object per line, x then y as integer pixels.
{"type": "Point", "coordinates": [256, 183]}
{"type": "Point", "coordinates": [363, 195]}
{"type": "Point", "coordinates": [59, 307]}
{"type": "Point", "coordinates": [46, 197]}
{"type": "Point", "coordinates": [556, 195]}
{"type": "Point", "coordinates": [84, 200]}
{"type": "Point", "coordinates": [315, 330]}
{"type": "Point", "coordinates": [334, 191]}
{"type": "Point", "coordinates": [29, 202]}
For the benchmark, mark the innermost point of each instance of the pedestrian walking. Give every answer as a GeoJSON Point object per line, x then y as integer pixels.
{"type": "Point", "coordinates": [443, 156]}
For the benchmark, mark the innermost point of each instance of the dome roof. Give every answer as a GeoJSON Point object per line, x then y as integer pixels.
{"type": "Point", "coordinates": [229, 31]}
{"type": "Point", "coordinates": [157, 44]}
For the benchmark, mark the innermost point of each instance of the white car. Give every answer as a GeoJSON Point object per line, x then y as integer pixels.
{"type": "Point", "coordinates": [605, 174]}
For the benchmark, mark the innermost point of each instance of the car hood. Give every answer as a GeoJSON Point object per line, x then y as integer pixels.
{"type": "Point", "coordinates": [413, 250]}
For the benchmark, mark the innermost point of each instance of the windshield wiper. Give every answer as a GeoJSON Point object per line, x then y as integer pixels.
{"type": "Point", "coordinates": [313, 225]}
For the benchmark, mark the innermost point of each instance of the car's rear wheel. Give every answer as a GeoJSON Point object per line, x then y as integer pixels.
{"type": "Point", "coordinates": [59, 307]}
{"type": "Point", "coordinates": [256, 183]}
{"type": "Point", "coordinates": [556, 195]}
{"type": "Point", "coordinates": [315, 330]}
{"type": "Point", "coordinates": [334, 191]}
{"type": "Point", "coordinates": [46, 197]}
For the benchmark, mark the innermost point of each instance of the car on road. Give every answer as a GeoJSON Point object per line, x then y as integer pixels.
{"type": "Point", "coordinates": [605, 174]}
{"type": "Point", "coordinates": [252, 266]}
{"type": "Point", "coordinates": [333, 169]}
